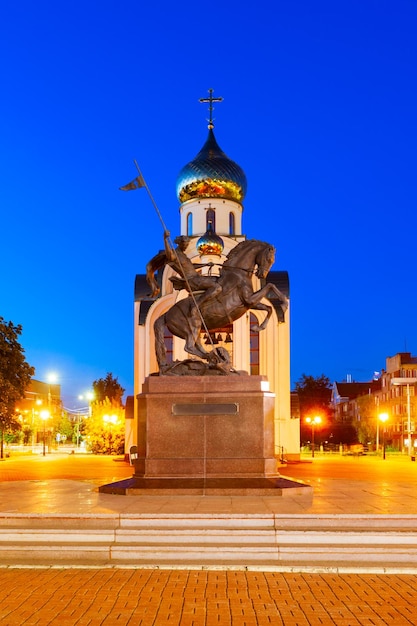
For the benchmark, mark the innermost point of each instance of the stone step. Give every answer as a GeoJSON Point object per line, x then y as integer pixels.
{"type": "Point", "coordinates": [352, 542]}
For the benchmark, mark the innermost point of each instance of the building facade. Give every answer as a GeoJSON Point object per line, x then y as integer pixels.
{"type": "Point", "coordinates": [393, 395]}
{"type": "Point", "coordinates": [39, 411]}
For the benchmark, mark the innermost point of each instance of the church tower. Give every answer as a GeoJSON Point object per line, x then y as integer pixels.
{"type": "Point", "coordinates": [211, 189]}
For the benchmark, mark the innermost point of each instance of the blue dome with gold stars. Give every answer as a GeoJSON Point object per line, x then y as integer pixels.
{"type": "Point", "coordinates": [211, 174]}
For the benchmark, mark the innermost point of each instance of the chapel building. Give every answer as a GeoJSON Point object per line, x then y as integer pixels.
{"type": "Point", "coordinates": [211, 189]}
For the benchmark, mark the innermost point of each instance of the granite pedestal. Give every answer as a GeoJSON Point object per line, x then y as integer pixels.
{"type": "Point", "coordinates": [210, 435]}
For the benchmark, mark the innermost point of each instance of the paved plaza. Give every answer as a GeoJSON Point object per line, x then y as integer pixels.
{"type": "Point", "coordinates": [217, 596]}
{"type": "Point", "coordinates": [68, 483]}
{"type": "Point", "coordinates": [120, 597]}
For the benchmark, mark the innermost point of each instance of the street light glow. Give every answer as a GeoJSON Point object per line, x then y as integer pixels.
{"type": "Point", "coordinates": [383, 417]}
{"type": "Point", "coordinates": [89, 395]}
{"type": "Point", "coordinates": [313, 421]}
{"type": "Point", "coordinates": [110, 419]}
{"type": "Point", "coordinates": [52, 378]}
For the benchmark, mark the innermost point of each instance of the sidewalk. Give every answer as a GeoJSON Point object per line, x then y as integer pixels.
{"type": "Point", "coordinates": [126, 596]}
{"type": "Point", "coordinates": [200, 598]}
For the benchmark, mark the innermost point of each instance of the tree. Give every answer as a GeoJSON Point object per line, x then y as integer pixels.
{"type": "Point", "coordinates": [15, 375]}
{"type": "Point", "coordinates": [108, 387]}
{"type": "Point", "coordinates": [105, 428]}
{"type": "Point", "coordinates": [314, 395]}
{"type": "Point", "coordinates": [368, 417]}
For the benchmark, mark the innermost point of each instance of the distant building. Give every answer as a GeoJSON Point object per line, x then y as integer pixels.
{"type": "Point", "coordinates": [398, 399]}
{"type": "Point", "coordinates": [39, 397]}
{"type": "Point", "coordinates": [393, 393]}
{"type": "Point", "coordinates": [344, 397]}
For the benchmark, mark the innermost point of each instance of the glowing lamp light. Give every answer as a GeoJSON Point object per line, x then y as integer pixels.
{"type": "Point", "coordinates": [313, 421]}
{"type": "Point", "coordinates": [44, 415]}
{"type": "Point", "coordinates": [383, 417]}
{"type": "Point", "coordinates": [110, 419]}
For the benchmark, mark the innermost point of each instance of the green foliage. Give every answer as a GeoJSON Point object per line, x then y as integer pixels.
{"type": "Point", "coordinates": [15, 375]}
{"type": "Point", "coordinates": [108, 387]}
{"type": "Point", "coordinates": [27, 432]}
{"type": "Point", "coordinates": [367, 424]}
{"type": "Point", "coordinates": [314, 395]}
{"type": "Point", "coordinates": [66, 428]}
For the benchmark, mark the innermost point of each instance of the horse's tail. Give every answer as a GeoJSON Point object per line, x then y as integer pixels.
{"type": "Point", "coordinates": [159, 328]}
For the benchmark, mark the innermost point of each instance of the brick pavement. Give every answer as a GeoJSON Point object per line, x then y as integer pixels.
{"type": "Point", "coordinates": [149, 597]}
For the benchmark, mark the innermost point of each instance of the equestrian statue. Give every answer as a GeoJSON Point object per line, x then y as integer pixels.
{"type": "Point", "coordinates": [213, 301]}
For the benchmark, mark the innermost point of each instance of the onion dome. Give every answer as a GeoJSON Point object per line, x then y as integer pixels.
{"type": "Point", "coordinates": [210, 243]}
{"type": "Point", "coordinates": [211, 174]}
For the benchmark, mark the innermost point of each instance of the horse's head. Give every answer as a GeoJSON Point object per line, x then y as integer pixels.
{"type": "Point", "coordinates": [265, 259]}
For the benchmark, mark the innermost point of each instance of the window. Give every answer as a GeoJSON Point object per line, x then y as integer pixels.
{"type": "Point", "coordinates": [189, 224]}
{"type": "Point", "coordinates": [231, 223]}
{"type": "Point", "coordinates": [211, 219]}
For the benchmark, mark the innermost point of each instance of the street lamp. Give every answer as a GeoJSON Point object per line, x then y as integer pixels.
{"type": "Point", "coordinates": [383, 417]}
{"type": "Point", "coordinates": [89, 396]}
{"type": "Point", "coordinates": [52, 380]}
{"type": "Point", "coordinates": [314, 421]}
{"type": "Point", "coordinates": [110, 420]}
{"type": "Point", "coordinates": [44, 416]}
{"type": "Point", "coordinates": [403, 381]}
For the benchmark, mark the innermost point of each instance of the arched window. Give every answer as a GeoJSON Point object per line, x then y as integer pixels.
{"type": "Point", "coordinates": [231, 223]}
{"type": "Point", "coordinates": [211, 220]}
{"type": "Point", "coordinates": [254, 347]}
{"type": "Point", "coordinates": [189, 224]}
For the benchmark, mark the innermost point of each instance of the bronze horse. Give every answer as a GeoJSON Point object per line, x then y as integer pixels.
{"type": "Point", "coordinates": [237, 297]}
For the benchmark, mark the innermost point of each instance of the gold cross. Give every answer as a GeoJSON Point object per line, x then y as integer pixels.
{"type": "Point", "coordinates": [210, 99]}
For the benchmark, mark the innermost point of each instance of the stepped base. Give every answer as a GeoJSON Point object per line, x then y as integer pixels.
{"type": "Point", "coordinates": [276, 486]}
{"type": "Point", "coordinates": [315, 543]}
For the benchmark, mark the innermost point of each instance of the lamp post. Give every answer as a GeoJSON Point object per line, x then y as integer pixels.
{"type": "Point", "coordinates": [44, 416]}
{"type": "Point", "coordinates": [89, 396]}
{"type": "Point", "coordinates": [52, 379]}
{"type": "Point", "coordinates": [403, 381]}
{"type": "Point", "coordinates": [383, 418]}
{"type": "Point", "coordinates": [313, 421]}
{"type": "Point", "coordinates": [110, 419]}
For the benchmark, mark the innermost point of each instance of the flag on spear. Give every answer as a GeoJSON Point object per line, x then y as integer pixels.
{"type": "Point", "coordinates": [136, 183]}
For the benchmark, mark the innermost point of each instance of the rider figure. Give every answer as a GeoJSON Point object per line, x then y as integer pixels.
{"type": "Point", "coordinates": [194, 281]}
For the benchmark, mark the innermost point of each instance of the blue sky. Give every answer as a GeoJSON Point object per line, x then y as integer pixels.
{"type": "Point", "coordinates": [320, 110]}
